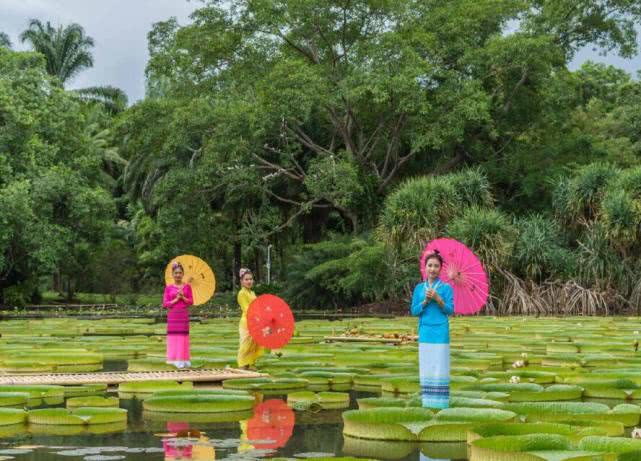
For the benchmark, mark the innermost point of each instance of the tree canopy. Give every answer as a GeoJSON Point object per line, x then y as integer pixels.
{"type": "Point", "coordinates": [347, 133]}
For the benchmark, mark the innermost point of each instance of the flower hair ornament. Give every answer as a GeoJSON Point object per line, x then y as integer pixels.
{"type": "Point", "coordinates": [244, 271]}
{"type": "Point", "coordinates": [176, 265]}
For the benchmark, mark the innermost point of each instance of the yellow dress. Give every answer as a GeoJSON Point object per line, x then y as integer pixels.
{"type": "Point", "coordinates": [248, 350]}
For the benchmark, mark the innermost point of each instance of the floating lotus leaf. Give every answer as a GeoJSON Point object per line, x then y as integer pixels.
{"type": "Point", "coordinates": [572, 432]}
{"type": "Point", "coordinates": [179, 392]}
{"type": "Point", "coordinates": [76, 402]}
{"type": "Point", "coordinates": [323, 400]}
{"type": "Point", "coordinates": [403, 424]}
{"type": "Point", "coordinates": [85, 390]}
{"type": "Point", "coordinates": [12, 416]}
{"type": "Point", "coordinates": [36, 391]}
{"type": "Point", "coordinates": [530, 447]}
{"type": "Point", "coordinates": [550, 411]}
{"type": "Point", "coordinates": [452, 424]}
{"type": "Point", "coordinates": [506, 387]}
{"type": "Point", "coordinates": [554, 393]}
{"type": "Point", "coordinates": [149, 387]}
{"type": "Point", "coordinates": [265, 384]}
{"type": "Point", "coordinates": [199, 403]}
{"type": "Point", "coordinates": [12, 399]}
{"type": "Point", "coordinates": [78, 416]}
{"type": "Point", "coordinates": [526, 376]}
{"type": "Point", "coordinates": [610, 444]}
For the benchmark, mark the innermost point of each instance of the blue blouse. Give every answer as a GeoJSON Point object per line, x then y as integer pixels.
{"type": "Point", "coordinates": [433, 325]}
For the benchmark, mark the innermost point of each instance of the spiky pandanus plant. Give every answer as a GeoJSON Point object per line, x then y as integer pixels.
{"type": "Point", "coordinates": [421, 208]}
{"type": "Point", "coordinates": [577, 200]}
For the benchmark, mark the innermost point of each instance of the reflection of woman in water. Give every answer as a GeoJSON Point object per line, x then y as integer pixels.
{"type": "Point", "coordinates": [270, 428]}
{"type": "Point", "coordinates": [187, 444]}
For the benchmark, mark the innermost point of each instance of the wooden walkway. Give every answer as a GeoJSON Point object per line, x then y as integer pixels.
{"type": "Point", "coordinates": [116, 377]}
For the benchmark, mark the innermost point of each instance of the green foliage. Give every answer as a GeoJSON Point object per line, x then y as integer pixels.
{"type": "Point", "coordinates": [316, 272]}
{"type": "Point", "coordinates": [294, 124]}
{"type": "Point", "coordinates": [579, 197]}
{"type": "Point", "coordinates": [540, 250]}
{"type": "Point", "coordinates": [53, 209]}
{"type": "Point", "coordinates": [421, 208]}
{"type": "Point", "coordinates": [488, 232]}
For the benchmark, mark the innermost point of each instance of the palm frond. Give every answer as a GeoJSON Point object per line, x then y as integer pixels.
{"type": "Point", "coordinates": [66, 49]}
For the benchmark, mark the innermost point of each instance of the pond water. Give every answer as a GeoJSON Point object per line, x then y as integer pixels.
{"type": "Point", "coordinates": [314, 434]}
{"type": "Point", "coordinates": [518, 370]}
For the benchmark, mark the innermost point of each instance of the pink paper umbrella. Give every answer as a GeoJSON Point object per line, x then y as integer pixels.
{"type": "Point", "coordinates": [463, 271]}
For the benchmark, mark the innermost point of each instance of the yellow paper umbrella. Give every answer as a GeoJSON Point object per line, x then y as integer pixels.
{"type": "Point", "coordinates": [198, 274]}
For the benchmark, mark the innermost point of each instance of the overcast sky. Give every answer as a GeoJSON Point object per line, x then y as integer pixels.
{"type": "Point", "coordinates": [120, 27]}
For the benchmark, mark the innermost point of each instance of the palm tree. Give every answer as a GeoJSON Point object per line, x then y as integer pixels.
{"type": "Point", "coordinates": [114, 100]}
{"type": "Point", "coordinates": [66, 49]}
{"type": "Point", "coordinates": [99, 140]}
{"type": "Point", "coordinates": [5, 41]}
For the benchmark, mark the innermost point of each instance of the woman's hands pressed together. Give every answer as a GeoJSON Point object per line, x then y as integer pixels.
{"type": "Point", "coordinates": [430, 295]}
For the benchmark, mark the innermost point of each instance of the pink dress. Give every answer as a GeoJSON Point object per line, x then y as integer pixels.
{"type": "Point", "coordinates": [177, 323]}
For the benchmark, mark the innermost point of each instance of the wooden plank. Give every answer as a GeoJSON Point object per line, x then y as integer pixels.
{"type": "Point", "coordinates": [212, 375]}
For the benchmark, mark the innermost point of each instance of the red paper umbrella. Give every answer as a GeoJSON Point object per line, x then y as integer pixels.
{"type": "Point", "coordinates": [270, 321]}
{"type": "Point", "coordinates": [272, 425]}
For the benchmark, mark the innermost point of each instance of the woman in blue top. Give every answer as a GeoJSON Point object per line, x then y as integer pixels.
{"type": "Point", "coordinates": [433, 302]}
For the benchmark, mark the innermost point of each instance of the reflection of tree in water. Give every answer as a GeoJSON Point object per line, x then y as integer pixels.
{"type": "Point", "coordinates": [134, 413]}
{"type": "Point", "coordinates": [322, 438]}
{"type": "Point", "coordinates": [423, 457]}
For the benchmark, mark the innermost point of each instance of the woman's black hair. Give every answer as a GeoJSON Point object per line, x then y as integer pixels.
{"type": "Point", "coordinates": [436, 254]}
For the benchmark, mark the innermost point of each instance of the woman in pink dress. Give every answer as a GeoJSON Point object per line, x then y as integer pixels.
{"type": "Point", "coordinates": [177, 298]}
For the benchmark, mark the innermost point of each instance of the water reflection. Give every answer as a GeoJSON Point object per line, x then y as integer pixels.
{"type": "Point", "coordinates": [424, 457]}
{"type": "Point", "coordinates": [270, 428]}
{"type": "Point", "coordinates": [183, 443]}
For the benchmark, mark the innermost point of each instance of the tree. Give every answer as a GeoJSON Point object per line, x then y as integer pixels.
{"type": "Point", "coordinates": [54, 209]}
{"type": "Point", "coordinates": [67, 50]}
{"type": "Point", "coordinates": [5, 41]}
{"type": "Point", "coordinates": [112, 99]}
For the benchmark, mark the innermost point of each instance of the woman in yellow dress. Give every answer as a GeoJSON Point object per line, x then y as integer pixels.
{"type": "Point", "coordinates": [248, 350]}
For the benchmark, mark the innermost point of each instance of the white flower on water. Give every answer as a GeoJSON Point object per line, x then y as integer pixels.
{"type": "Point", "coordinates": [518, 364]}
{"type": "Point", "coordinates": [636, 433]}
{"type": "Point", "coordinates": [515, 380]}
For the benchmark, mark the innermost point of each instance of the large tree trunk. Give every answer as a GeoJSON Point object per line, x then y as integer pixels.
{"type": "Point", "coordinates": [257, 265]}
{"type": "Point", "coordinates": [237, 260]}
{"type": "Point", "coordinates": [314, 224]}
{"type": "Point", "coordinates": [71, 288]}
